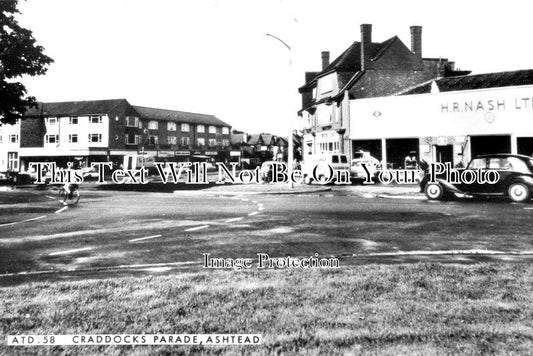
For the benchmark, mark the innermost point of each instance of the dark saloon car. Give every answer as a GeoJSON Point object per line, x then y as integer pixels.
{"type": "Point", "coordinates": [487, 175]}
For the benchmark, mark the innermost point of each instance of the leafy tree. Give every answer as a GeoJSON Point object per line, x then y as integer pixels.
{"type": "Point", "coordinates": [19, 55]}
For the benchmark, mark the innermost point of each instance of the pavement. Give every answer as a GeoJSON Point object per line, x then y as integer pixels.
{"type": "Point", "coordinates": [373, 190]}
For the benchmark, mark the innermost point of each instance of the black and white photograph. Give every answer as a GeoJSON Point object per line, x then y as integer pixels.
{"type": "Point", "coordinates": [270, 177]}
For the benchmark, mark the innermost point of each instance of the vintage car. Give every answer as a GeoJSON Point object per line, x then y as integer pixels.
{"type": "Point", "coordinates": [357, 171]}
{"type": "Point", "coordinates": [487, 175]}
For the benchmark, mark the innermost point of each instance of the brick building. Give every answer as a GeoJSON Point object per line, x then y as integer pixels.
{"type": "Point", "coordinates": [366, 69]}
{"type": "Point", "coordinates": [107, 130]}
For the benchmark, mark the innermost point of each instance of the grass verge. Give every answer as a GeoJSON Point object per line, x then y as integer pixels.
{"type": "Point", "coordinates": [385, 309]}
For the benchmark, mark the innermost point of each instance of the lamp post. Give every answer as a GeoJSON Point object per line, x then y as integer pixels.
{"type": "Point", "coordinates": [290, 154]}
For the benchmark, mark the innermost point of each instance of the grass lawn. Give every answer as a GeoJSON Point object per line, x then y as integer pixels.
{"type": "Point", "coordinates": [386, 309]}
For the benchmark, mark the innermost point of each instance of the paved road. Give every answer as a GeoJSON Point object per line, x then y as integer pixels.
{"type": "Point", "coordinates": [129, 232]}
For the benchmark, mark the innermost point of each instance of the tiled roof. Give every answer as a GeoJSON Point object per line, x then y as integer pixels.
{"type": "Point", "coordinates": [180, 116]}
{"type": "Point", "coordinates": [476, 81]}
{"type": "Point", "coordinates": [74, 108]}
{"type": "Point", "coordinates": [255, 139]}
{"type": "Point", "coordinates": [350, 60]}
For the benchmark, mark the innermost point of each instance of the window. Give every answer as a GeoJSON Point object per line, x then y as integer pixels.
{"type": "Point", "coordinates": [95, 137]}
{"type": "Point", "coordinates": [478, 163]}
{"type": "Point", "coordinates": [225, 142]}
{"type": "Point", "coordinates": [12, 160]}
{"type": "Point", "coordinates": [51, 139]}
{"type": "Point", "coordinates": [200, 141]}
{"type": "Point", "coordinates": [51, 120]}
{"type": "Point", "coordinates": [13, 138]}
{"type": "Point", "coordinates": [153, 140]}
{"type": "Point", "coordinates": [326, 84]}
{"type": "Point", "coordinates": [132, 121]}
{"type": "Point", "coordinates": [0, 138]}
{"type": "Point", "coordinates": [171, 126]}
{"type": "Point", "coordinates": [212, 142]}
{"type": "Point", "coordinates": [152, 125]}
{"type": "Point", "coordinates": [95, 119]}
{"type": "Point", "coordinates": [172, 140]}
{"type": "Point", "coordinates": [185, 141]}
{"type": "Point", "coordinates": [225, 130]}
{"type": "Point", "coordinates": [184, 127]}
{"type": "Point", "coordinates": [200, 128]}
{"type": "Point", "coordinates": [73, 138]}
{"type": "Point", "coordinates": [132, 139]}
{"type": "Point", "coordinates": [517, 165]}
{"type": "Point", "coordinates": [212, 129]}
{"type": "Point", "coordinates": [73, 120]}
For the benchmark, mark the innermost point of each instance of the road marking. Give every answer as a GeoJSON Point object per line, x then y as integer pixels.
{"type": "Point", "coordinates": [260, 208]}
{"type": "Point", "coordinates": [233, 220]}
{"type": "Point", "coordinates": [528, 208]}
{"type": "Point", "coordinates": [197, 228]}
{"type": "Point", "coordinates": [62, 209]}
{"type": "Point", "coordinates": [145, 238]}
{"type": "Point", "coordinates": [70, 251]}
{"type": "Point", "coordinates": [253, 213]}
{"type": "Point", "coordinates": [254, 201]}
{"type": "Point", "coordinates": [244, 199]}
{"type": "Point", "coordinates": [49, 197]}
{"type": "Point", "coordinates": [18, 222]}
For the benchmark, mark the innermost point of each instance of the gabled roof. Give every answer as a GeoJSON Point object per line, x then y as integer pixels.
{"type": "Point", "coordinates": [476, 81]}
{"type": "Point", "coordinates": [74, 108]}
{"type": "Point", "coordinates": [268, 139]}
{"type": "Point", "coordinates": [179, 116]}
{"type": "Point", "coordinates": [350, 60]}
{"type": "Point", "coordinates": [238, 138]}
{"type": "Point", "coordinates": [255, 139]}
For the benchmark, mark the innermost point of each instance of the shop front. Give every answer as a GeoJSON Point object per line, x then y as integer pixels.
{"type": "Point", "coordinates": [444, 127]}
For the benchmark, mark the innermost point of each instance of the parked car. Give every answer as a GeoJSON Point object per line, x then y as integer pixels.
{"type": "Point", "coordinates": [338, 162]}
{"type": "Point", "coordinates": [89, 173]}
{"type": "Point", "coordinates": [357, 171]}
{"type": "Point", "coordinates": [514, 178]}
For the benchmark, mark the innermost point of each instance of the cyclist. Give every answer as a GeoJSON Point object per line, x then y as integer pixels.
{"type": "Point", "coordinates": [69, 188]}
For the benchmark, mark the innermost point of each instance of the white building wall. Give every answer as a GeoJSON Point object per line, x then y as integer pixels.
{"type": "Point", "coordinates": [506, 110]}
{"type": "Point", "coordinates": [6, 146]}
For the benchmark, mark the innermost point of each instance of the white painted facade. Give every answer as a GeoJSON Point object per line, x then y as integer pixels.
{"type": "Point", "coordinates": [447, 118]}
{"type": "Point", "coordinates": [9, 147]}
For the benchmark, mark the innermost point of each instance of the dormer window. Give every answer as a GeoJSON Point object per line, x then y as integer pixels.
{"type": "Point", "coordinates": [326, 84]}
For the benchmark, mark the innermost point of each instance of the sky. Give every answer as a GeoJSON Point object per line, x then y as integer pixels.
{"type": "Point", "coordinates": [214, 57]}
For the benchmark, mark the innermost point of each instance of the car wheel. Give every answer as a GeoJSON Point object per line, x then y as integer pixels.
{"type": "Point", "coordinates": [518, 192]}
{"type": "Point", "coordinates": [434, 191]}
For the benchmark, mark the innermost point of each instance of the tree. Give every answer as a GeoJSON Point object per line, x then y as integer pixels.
{"type": "Point", "coordinates": [19, 55]}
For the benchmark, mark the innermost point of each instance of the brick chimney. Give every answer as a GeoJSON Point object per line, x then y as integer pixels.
{"type": "Point", "coordinates": [416, 40]}
{"type": "Point", "coordinates": [325, 59]}
{"type": "Point", "coordinates": [366, 40]}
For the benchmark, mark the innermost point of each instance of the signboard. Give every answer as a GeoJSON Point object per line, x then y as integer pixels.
{"type": "Point", "coordinates": [211, 153]}
{"type": "Point", "coordinates": [182, 153]}
{"type": "Point", "coordinates": [165, 154]}
{"type": "Point", "coordinates": [442, 141]}
{"type": "Point", "coordinates": [235, 153]}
